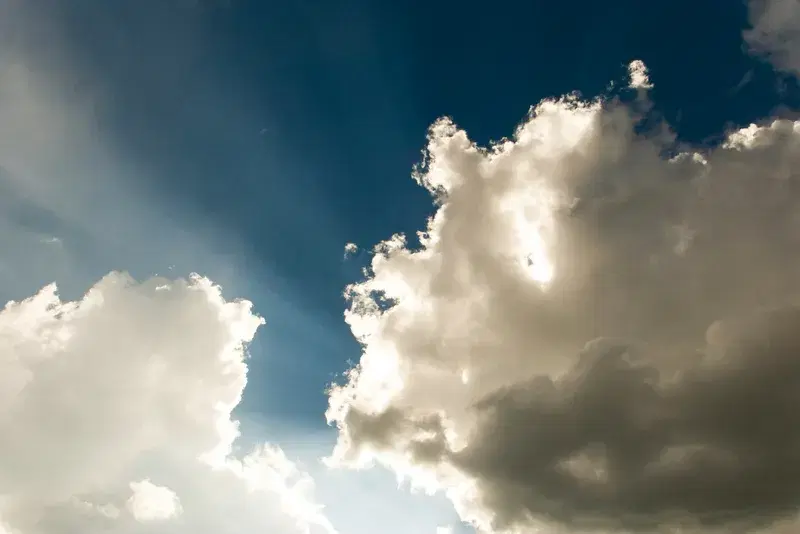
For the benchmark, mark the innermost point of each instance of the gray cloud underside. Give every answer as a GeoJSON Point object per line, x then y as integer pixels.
{"type": "Point", "coordinates": [652, 382]}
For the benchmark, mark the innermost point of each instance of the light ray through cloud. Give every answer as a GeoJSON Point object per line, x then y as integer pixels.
{"type": "Point", "coordinates": [594, 399]}
{"type": "Point", "coordinates": [594, 332]}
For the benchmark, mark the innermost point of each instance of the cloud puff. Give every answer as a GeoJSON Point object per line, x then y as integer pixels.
{"type": "Point", "coordinates": [639, 77]}
{"type": "Point", "coordinates": [598, 331]}
{"type": "Point", "coordinates": [115, 413]}
{"type": "Point", "coordinates": [153, 503]}
{"type": "Point", "coordinates": [350, 249]}
{"type": "Point", "coordinates": [775, 32]}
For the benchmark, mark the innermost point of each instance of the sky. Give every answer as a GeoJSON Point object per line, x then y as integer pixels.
{"type": "Point", "coordinates": [407, 267]}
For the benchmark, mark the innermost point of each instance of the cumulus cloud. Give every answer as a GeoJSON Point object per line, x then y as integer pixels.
{"type": "Point", "coordinates": [775, 32]}
{"type": "Point", "coordinates": [115, 412]}
{"type": "Point", "coordinates": [599, 331]}
{"type": "Point", "coordinates": [639, 77]}
{"type": "Point", "coordinates": [153, 503]}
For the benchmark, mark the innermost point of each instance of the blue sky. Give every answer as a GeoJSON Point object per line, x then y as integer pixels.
{"type": "Point", "coordinates": [294, 127]}
{"type": "Point", "coordinates": [249, 141]}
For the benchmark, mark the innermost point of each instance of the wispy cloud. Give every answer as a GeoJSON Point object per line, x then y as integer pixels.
{"type": "Point", "coordinates": [775, 32]}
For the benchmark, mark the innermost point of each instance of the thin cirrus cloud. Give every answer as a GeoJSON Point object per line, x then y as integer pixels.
{"type": "Point", "coordinates": [598, 331]}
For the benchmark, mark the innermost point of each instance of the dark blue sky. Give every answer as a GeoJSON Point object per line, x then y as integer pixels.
{"type": "Point", "coordinates": [294, 125]}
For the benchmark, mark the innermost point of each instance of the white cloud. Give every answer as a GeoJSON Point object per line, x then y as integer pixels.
{"type": "Point", "coordinates": [350, 249]}
{"type": "Point", "coordinates": [775, 32]}
{"type": "Point", "coordinates": [649, 383]}
{"type": "Point", "coordinates": [639, 77]}
{"type": "Point", "coordinates": [153, 503]}
{"type": "Point", "coordinates": [136, 380]}
{"type": "Point", "coordinates": [122, 401]}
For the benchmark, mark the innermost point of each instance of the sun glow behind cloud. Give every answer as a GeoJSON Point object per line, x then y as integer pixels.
{"type": "Point", "coordinates": [497, 383]}
{"type": "Point", "coordinates": [564, 270]}
{"type": "Point", "coordinates": [138, 382]}
{"type": "Point", "coordinates": [117, 405]}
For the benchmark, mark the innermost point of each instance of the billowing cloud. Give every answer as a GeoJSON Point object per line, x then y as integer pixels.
{"type": "Point", "coordinates": [600, 329]}
{"type": "Point", "coordinates": [152, 503]}
{"type": "Point", "coordinates": [115, 412]}
{"type": "Point", "coordinates": [775, 32]}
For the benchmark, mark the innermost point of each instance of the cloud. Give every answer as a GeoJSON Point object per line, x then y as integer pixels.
{"type": "Point", "coordinates": [106, 403]}
{"type": "Point", "coordinates": [115, 412]}
{"type": "Point", "coordinates": [350, 249]}
{"type": "Point", "coordinates": [775, 32]}
{"type": "Point", "coordinates": [639, 77]}
{"type": "Point", "coordinates": [153, 503]}
{"type": "Point", "coordinates": [599, 331]}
